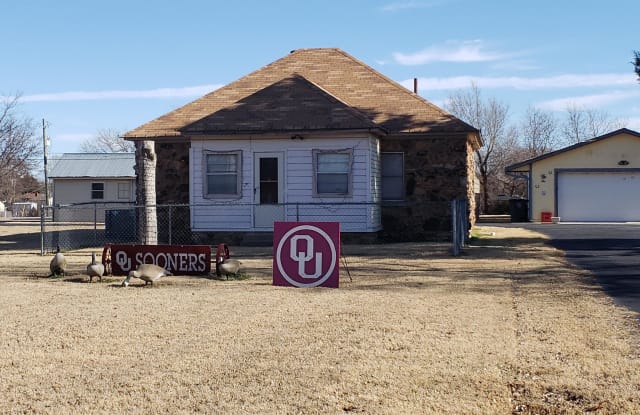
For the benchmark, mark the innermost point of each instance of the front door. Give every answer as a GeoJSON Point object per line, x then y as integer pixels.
{"type": "Point", "coordinates": [268, 191]}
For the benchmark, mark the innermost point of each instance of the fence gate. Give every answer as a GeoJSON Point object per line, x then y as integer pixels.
{"type": "Point", "coordinates": [459, 225]}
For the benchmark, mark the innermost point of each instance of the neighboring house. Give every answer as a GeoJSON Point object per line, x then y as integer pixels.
{"type": "Point", "coordinates": [92, 182]}
{"type": "Point", "coordinates": [595, 180]}
{"type": "Point", "coordinates": [24, 209]}
{"type": "Point", "coordinates": [316, 135]}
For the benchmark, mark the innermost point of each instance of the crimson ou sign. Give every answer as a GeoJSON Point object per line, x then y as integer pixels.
{"type": "Point", "coordinates": [177, 259]}
{"type": "Point", "coordinates": [306, 254]}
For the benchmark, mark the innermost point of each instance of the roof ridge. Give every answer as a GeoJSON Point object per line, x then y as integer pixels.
{"type": "Point", "coordinates": [570, 147]}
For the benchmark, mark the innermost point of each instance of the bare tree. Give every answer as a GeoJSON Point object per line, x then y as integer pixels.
{"type": "Point", "coordinates": [539, 132]}
{"type": "Point", "coordinates": [107, 141]}
{"type": "Point", "coordinates": [573, 128]}
{"type": "Point", "coordinates": [510, 152]}
{"type": "Point", "coordinates": [19, 149]}
{"type": "Point", "coordinates": [636, 63]}
{"type": "Point", "coordinates": [582, 124]}
{"type": "Point", "coordinates": [490, 117]}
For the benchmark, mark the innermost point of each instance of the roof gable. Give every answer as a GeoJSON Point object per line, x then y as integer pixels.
{"type": "Point", "coordinates": [290, 104]}
{"type": "Point", "coordinates": [383, 101]}
{"type": "Point", "coordinates": [516, 166]}
{"type": "Point", "coordinates": [98, 165]}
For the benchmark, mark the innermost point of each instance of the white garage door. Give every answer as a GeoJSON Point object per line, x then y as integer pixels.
{"type": "Point", "coordinates": [599, 196]}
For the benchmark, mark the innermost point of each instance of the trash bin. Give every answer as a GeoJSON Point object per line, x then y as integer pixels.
{"type": "Point", "coordinates": [120, 225]}
{"type": "Point", "coordinates": [519, 210]}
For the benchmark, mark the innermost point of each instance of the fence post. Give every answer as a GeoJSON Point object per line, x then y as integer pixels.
{"type": "Point", "coordinates": [42, 230]}
{"type": "Point", "coordinates": [464, 231]}
{"type": "Point", "coordinates": [95, 223]}
{"type": "Point", "coordinates": [454, 228]}
{"type": "Point", "coordinates": [170, 224]}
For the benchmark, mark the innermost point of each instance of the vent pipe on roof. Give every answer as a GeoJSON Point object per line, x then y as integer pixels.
{"type": "Point", "coordinates": [415, 86]}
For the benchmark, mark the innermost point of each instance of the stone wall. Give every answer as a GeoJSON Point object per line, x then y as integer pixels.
{"type": "Point", "coordinates": [172, 188]}
{"type": "Point", "coordinates": [172, 173]}
{"type": "Point", "coordinates": [437, 170]}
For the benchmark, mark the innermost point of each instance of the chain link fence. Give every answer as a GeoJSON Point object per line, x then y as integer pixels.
{"type": "Point", "coordinates": [92, 225]}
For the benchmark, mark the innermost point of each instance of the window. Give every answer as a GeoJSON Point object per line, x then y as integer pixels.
{"type": "Point", "coordinates": [268, 175]}
{"type": "Point", "coordinates": [124, 190]}
{"type": "Point", "coordinates": [332, 172]}
{"type": "Point", "coordinates": [392, 166]}
{"type": "Point", "coordinates": [222, 174]}
{"type": "Point", "coordinates": [97, 190]}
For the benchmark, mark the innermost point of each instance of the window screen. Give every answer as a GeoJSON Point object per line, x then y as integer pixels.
{"type": "Point", "coordinates": [223, 172]}
{"type": "Point", "coordinates": [333, 172]}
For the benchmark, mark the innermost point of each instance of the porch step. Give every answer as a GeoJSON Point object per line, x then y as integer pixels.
{"type": "Point", "coordinates": [494, 219]}
{"type": "Point", "coordinates": [257, 239]}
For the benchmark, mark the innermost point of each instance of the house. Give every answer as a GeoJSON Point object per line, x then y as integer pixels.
{"type": "Point", "coordinates": [316, 135]}
{"type": "Point", "coordinates": [92, 182]}
{"type": "Point", "coordinates": [24, 209]}
{"type": "Point", "coordinates": [597, 180]}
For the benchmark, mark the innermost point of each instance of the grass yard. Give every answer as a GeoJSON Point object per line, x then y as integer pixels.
{"type": "Point", "coordinates": [507, 328]}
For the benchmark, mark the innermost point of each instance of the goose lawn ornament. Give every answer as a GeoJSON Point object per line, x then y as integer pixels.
{"type": "Point", "coordinates": [147, 273]}
{"type": "Point", "coordinates": [95, 269]}
{"type": "Point", "coordinates": [58, 263]}
{"type": "Point", "coordinates": [229, 266]}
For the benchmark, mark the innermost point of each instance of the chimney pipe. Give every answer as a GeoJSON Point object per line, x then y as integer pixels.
{"type": "Point", "coordinates": [415, 86]}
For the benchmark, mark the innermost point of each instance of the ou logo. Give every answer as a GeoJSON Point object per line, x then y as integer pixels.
{"type": "Point", "coordinates": [306, 254]}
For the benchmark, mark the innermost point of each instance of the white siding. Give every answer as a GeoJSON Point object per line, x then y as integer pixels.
{"type": "Point", "coordinates": [75, 191]}
{"type": "Point", "coordinates": [375, 213]}
{"type": "Point", "coordinates": [216, 214]}
{"type": "Point", "coordinates": [354, 212]}
{"type": "Point", "coordinates": [67, 191]}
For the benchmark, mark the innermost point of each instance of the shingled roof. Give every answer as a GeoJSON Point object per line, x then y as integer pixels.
{"type": "Point", "coordinates": [308, 89]}
{"type": "Point", "coordinates": [291, 104]}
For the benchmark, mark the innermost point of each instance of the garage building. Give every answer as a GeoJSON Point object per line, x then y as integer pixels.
{"type": "Point", "coordinates": [597, 180]}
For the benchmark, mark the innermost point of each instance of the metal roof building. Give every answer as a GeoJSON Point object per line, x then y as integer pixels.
{"type": "Point", "coordinates": [95, 165]}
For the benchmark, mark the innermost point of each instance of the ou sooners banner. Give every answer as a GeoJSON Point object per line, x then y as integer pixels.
{"type": "Point", "coordinates": [177, 259]}
{"type": "Point", "coordinates": [306, 254]}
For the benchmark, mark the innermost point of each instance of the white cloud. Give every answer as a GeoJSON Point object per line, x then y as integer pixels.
{"type": "Point", "coordinates": [525, 83]}
{"type": "Point", "coordinates": [394, 7]}
{"type": "Point", "coordinates": [160, 93]}
{"type": "Point", "coordinates": [452, 51]}
{"type": "Point", "coordinates": [589, 101]}
{"type": "Point", "coordinates": [516, 65]}
{"type": "Point", "coordinates": [633, 123]}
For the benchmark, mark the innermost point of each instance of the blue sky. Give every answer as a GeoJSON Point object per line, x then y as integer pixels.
{"type": "Point", "coordinates": [90, 65]}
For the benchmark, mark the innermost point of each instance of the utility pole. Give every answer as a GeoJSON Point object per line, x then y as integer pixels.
{"type": "Point", "coordinates": [46, 178]}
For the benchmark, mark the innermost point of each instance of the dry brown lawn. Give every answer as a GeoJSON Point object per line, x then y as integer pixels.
{"type": "Point", "coordinates": [507, 328]}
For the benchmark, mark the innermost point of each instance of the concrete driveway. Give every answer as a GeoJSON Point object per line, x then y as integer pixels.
{"type": "Point", "coordinates": [611, 251]}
